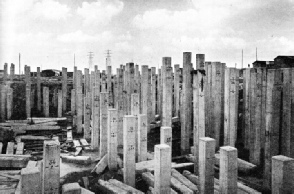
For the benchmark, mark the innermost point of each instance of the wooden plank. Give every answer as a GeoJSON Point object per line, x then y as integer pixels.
{"type": "Point", "coordinates": [101, 165]}
{"type": "Point", "coordinates": [124, 186]}
{"type": "Point", "coordinates": [14, 161]}
{"type": "Point", "coordinates": [1, 146]}
{"type": "Point", "coordinates": [85, 144]}
{"type": "Point", "coordinates": [162, 169]}
{"type": "Point", "coordinates": [69, 137]}
{"type": "Point", "coordinates": [10, 148]}
{"type": "Point", "coordinates": [180, 187]}
{"type": "Point", "coordinates": [110, 188]}
{"type": "Point", "coordinates": [35, 128]}
{"type": "Point", "coordinates": [19, 148]}
{"type": "Point", "coordinates": [129, 150]}
{"type": "Point", "coordinates": [71, 188]}
{"type": "Point", "coordinates": [149, 179]}
{"type": "Point", "coordinates": [184, 180]}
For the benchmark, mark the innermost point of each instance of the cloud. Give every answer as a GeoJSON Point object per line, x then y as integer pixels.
{"type": "Point", "coordinates": [180, 21]}
{"type": "Point", "coordinates": [100, 12]}
{"type": "Point", "coordinates": [81, 37]}
{"type": "Point", "coordinates": [50, 9]}
{"type": "Point", "coordinates": [278, 44]}
{"type": "Point", "coordinates": [123, 47]}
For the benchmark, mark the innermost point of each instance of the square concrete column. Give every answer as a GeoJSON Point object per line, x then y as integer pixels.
{"type": "Point", "coordinates": [167, 92]}
{"type": "Point", "coordinates": [129, 150]}
{"type": "Point", "coordinates": [46, 101]}
{"type": "Point", "coordinates": [186, 106]}
{"type": "Point", "coordinates": [282, 174]}
{"type": "Point", "coordinates": [166, 136]}
{"type": "Point", "coordinates": [112, 139]}
{"type": "Point", "coordinates": [228, 170]}
{"type": "Point", "coordinates": [142, 137]}
{"type": "Point", "coordinates": [51, 167]}
{"type": "Point", "coordinates": [95, 118]}
{"type": "Point", "coordinates": [30, 181]}
{"type": "Point", "coordinates": [73, 102]}
{"type": "Point", "coordinates": [103, 122]}
{"type": "Point", "coordinates": [87, 116]}
{"type": "Point", "coordinates": [59, 104]}
{"type": "Point", "coordinates": [64, 88]}
{"type": "Point", "coordinates": [79, 108]}
{"type": "Point", "coordinates": [206, 164]}
{"type": "Point", "coordinates": [162, 169]}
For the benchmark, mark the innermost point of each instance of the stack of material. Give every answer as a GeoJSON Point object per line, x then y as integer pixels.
{"type": "Point", "coordinates": [33, 131]}
{"type": "Point", "coordinates": [13, 157]}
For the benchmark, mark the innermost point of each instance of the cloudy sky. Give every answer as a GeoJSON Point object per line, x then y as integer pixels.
{"type": "Point", "coordinates": [48, 33]}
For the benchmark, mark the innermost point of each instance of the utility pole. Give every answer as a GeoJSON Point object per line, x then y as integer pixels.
{"type": "Point", "coordinates": [242, 58]}
{"type": "Point", "coordinates": [91, 56]}
{"type": "Point", "coordinates": [74, 60]}
{"type": "Point", "coordinates": [108, 58]}
{"type": "Point", "coordinates": [19, 64]}
{"type": "Point", "coordinates": [256, 53]}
